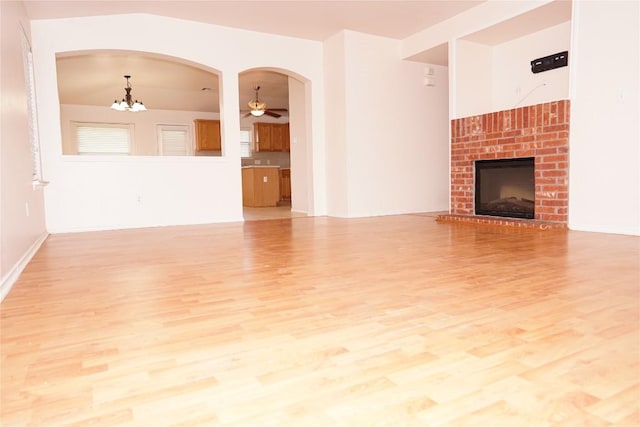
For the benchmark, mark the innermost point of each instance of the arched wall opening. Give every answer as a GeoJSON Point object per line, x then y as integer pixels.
{"type": "Point", "coordinates": [287, 117]}
{"type": "Point", "coordinates": [174, 91]}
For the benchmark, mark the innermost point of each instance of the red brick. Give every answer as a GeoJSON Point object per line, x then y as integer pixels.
{"type": "Point", "coordinates": [525, 153]}
{"type": "Point", "coordinates": [547, 150]}
{"type": "Point", "coordinates": [497, 122]}
{"type": "Point", "coordinates": [553, 113]}
{"type": "Point", "coordinates": [558, 218]}
{"type": "Point", "coordinates": [551, 173]}
{"type": "Point", "coordinates": [546, 136]}
{"type": "Point", "coordinates": [525, 138]}
{"type": "Point", "coordinates": [554, 158]}
{"type": "Point", "coordinates": [554, 188]}
{"type": "Point", "coordinates": [506, 140]}
{"type": "Point", "coordinates": [545, 209]}
{"type": "Point", "coordinates": [553, 202]}
{"type": "Point", "coordinates": [556, 128]}
{"type": "Point", "coordinates": [545, 115]}
{"type": "Point", "coordinates": [545, 166]}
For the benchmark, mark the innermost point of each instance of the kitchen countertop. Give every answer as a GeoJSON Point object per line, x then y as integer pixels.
{"type": "Point", "coordinates": [261, 166]}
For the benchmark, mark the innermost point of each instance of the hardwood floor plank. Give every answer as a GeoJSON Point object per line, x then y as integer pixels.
{"type": "Point", "coordinates": [316, 321]}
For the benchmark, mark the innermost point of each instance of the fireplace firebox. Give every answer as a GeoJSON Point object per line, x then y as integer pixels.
{"type": "Point", "coordinates": [505, 187]}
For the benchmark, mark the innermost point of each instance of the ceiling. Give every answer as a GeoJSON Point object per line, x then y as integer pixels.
{"type": "Point", "coordinates": [161, 83]}
{"type": "Point", "coordinates": [546, 16]}
{"type": "Point", "coordinates": [315, 20]}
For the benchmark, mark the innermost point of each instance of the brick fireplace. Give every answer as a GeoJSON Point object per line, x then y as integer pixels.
{"type": "Point", "coordinates": [539, 131]}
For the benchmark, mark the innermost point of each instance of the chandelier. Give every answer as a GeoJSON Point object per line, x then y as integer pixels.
{"type": "Point", "coordinates": [127, 103]}
{"type": "Point", "coordinates": [256, 106]}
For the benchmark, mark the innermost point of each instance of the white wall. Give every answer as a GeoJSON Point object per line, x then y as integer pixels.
{"type": "Point", "coordinates": [514, 85]}
{"type": "Point", "coordinates": [396, 130]}
{"type": "Point", "coordinates": [22, 226]}
{"type": "Point", "coordinates": [473, 78]}
{"type": "Point", "coordinates": [145, 124]}
{"type": "Point", "coordinates": [298, 131]}
{"type": "Point", "coordinates": [604, 166]}
{"type": "Point", "coordinates": [87, 194]}
{"type": "Point", "coordinates": [335, 110]}
{"type": "Point", "coordinates": [497, 78]}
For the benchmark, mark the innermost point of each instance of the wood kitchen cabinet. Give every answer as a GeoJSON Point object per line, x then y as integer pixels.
{"type": "Point", "coordinates": [208, 135]}
{"type": "Point", "coordinates": [285, 184]}
{"type": "Point", "coordinates": [260, 186]}
{"type": "Point", "coordinates": [262, 135]}
{"type": "Point", "coordinates": [271, 137]}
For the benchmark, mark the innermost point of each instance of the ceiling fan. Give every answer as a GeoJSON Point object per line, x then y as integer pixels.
{"type": "Point", "coordinates": [258, 108]}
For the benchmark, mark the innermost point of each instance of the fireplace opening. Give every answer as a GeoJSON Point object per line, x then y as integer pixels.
{"type": "Point", "coordinates": [505, 187]}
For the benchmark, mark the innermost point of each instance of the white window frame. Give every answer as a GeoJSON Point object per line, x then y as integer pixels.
{"type": "Point", "coordinates": [129, 127]}
{"type": "Point", "coordinates": [189, 147]}
{"type": "Point", "coordinates": [247, 144]}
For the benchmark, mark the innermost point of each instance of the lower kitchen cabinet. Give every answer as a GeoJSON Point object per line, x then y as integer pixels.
{"type": "Point", "coordinates": [260, 186]}
{"type": "Point", "coordinates": [285, 184]}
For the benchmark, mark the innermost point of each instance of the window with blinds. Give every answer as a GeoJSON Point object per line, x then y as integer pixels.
{"type": "Point", "coordinates": [103, 138]}
{"type": "Point", "coordinates": [36, 162]}
{"type": "Point", "coordinates": [174, 140]}
{"type": "Point", "coordinates": [245, 143]}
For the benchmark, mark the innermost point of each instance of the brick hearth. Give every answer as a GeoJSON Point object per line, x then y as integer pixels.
{"type": "Point", "coordinates": [540, 131]}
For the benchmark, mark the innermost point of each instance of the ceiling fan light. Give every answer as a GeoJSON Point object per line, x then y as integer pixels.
{"type": "Point", "coordinates": [257, 105]}
{"type": "Point", "coordinates": [257, 113]}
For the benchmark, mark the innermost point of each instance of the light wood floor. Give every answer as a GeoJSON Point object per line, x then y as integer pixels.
{"type": "Point", "coordinates": [389, 321]}
{"type": "Point", "coordinates": [276, 212]}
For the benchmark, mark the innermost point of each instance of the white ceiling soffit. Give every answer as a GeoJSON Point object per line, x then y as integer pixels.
{"type": "Point", "coordinates": [546, 16]}
{"type": "Point", "coordinates": [438, 55]}
{"type": "Point", "coordinates": [538, 19]}
{"type": "Point", "coordinates": [315, 20]}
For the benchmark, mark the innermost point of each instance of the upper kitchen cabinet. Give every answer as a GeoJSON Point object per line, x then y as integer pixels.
{"type": "Point", "coordinates": [262, 136]}
{"type": "Point", "coordinates": [208, 135]}
{"type": "Point", "coordinates": [271, 136]}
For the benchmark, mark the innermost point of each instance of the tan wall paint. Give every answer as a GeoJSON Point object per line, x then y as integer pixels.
{"type": "Point", "coordinates": [22, 224]}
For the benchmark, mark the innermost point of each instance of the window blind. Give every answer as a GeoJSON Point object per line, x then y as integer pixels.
{"type": "Point", "coordinates": [36, 162]}
{"type": "Point", "coordinates": [245, 143]}
{"type": "Point", "coordinates": [173, 142]}
{"type": "Point", "coordinates": [103, 139]}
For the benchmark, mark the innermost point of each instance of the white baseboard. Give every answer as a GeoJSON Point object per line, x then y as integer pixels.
{"type": "Point", "coordinates": [12, 276]}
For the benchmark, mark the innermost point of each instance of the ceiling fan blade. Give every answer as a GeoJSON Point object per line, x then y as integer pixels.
{"type": "Point", "coordinates": [272, 114]}
{"type": "Point", "coordinates": [278, 109]}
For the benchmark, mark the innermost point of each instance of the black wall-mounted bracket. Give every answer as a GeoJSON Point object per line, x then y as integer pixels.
{"type": "Point", "coordinates": [550, 62]}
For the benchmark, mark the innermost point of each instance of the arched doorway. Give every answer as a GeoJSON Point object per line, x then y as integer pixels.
{"type": "Point", "coordinates": [274, 144]}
